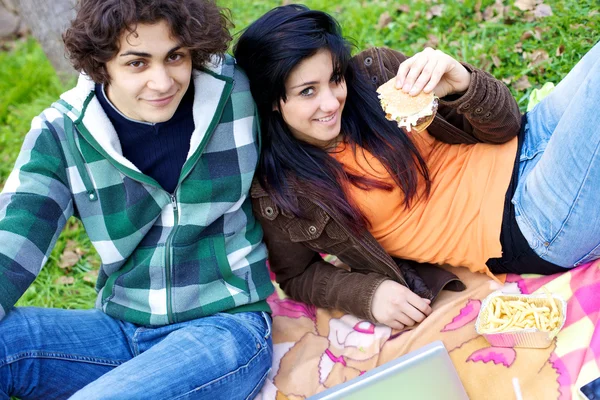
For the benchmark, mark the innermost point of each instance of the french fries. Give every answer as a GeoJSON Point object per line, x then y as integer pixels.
{"type": "Point", "coordinates": [509, 313]}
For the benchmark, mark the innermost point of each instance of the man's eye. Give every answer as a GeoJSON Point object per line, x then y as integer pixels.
{"type": "Point", "coordinates": [175, 57]}
{"type": "Point", "coordinates": [337, 78]}
{"type": "Point", "coordinates": [307, 92]}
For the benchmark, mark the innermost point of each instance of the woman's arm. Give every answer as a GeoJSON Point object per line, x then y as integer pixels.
{"type": "Point", "coordinates": [305, 276]}
{"type": "Point", "coordinates": [485, 112]}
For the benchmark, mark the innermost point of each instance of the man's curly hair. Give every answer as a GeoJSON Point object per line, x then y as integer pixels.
{"type": "Point", "coordinates": [93, 37]}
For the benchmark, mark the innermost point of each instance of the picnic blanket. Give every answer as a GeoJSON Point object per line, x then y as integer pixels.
{"type": "Point", "coordinates": [315, 349]}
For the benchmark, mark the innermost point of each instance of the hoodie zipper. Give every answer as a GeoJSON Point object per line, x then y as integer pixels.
{"type": "Point", "coordinates": [168, 256]}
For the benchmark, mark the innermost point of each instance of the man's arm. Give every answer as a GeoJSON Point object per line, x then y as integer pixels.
{"type": "Point", "coordinates": [35, 204]}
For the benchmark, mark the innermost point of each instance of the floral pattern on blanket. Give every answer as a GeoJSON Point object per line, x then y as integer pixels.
{"type": "Point", "coordinates": [315, 349]}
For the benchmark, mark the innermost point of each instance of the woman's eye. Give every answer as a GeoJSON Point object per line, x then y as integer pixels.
{"type": "Point", "coordinates": [136, 64]}
{"type": "Point", "coordinates": [307, 92]}
{"type": "Point", "coordinates": [337, 78]}
{"type": "Point", "coordinates": [175, 57]}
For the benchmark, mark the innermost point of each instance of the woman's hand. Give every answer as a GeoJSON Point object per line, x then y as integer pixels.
{"type": "Point", "coordinates": [432, 70]}
{"type": "Point", "coordinates": [396, 306]}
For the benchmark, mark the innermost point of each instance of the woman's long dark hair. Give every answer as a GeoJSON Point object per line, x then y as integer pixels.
{"type": "Point", "coordinates": [268, 50]}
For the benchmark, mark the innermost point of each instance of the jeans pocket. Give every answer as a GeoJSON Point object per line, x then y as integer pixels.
{"type": "Point", "coordinates": [258, 323]}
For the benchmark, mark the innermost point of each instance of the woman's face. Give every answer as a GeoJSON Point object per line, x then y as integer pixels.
{"type": "Point", "coordinates": [315, 100]}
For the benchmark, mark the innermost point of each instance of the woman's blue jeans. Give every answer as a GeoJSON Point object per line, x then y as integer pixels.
{"type": "Point", "coordinates": [557, 200]}
{"type": "Point", "coordinates": [55, 354]}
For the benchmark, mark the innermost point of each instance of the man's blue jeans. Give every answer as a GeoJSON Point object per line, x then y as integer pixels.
{"type": "Point", "coordinates": [557, 200]}
{"type": "Point", "coordinates": [54, 354]}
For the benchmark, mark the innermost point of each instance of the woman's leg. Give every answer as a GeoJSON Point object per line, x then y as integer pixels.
{"type": "Point", "coordinates": [557, 201]}
{"type": "Point", "coordinates": [224, 356]}
{"type": "Point", "coordinates": [50, 353]}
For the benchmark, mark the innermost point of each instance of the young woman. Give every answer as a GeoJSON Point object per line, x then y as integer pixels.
{"type": "Point", "coordinates": [480, 188]}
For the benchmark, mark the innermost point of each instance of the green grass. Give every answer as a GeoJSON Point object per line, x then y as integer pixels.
{"type": "Point", "coordinates": [496, 41]}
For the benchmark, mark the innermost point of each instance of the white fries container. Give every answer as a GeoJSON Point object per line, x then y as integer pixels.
{"type": "Point", "coordinates": [518, 337]}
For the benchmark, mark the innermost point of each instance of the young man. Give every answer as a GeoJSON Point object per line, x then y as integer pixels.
{"type": "Point", "coordinates": [154, 150]}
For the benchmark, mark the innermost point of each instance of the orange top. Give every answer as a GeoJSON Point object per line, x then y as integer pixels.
{"type": "Point", "coordinates": [459, 222]}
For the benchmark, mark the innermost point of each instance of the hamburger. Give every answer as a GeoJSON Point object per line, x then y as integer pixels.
{"type": "Point", "coordinates": [410, 112]}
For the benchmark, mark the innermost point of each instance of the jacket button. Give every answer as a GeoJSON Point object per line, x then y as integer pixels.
{"type": "Point", "coordinates": [368, 61]}
{"type": "Point", "coordinates": [269, 211]}
{"type": "Point", "coordinates": [478, 110]}
{"type": "Point", "coordinates": [312, 230]}
{"type": "Point", "coordinates": [374, 79]}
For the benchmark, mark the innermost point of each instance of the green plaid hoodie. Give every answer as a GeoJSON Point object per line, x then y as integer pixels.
{"type": "Point", "coordinates": [165, 258]}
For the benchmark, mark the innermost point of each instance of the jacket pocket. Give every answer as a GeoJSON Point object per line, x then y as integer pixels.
{"type": "Point", "coordinates": [319, 232]}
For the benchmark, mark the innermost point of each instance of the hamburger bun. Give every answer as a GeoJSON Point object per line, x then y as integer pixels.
{"type": "Point", "coordinates": [410, 112]}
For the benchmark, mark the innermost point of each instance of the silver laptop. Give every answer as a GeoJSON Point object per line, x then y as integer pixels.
{"type": "Point", "coordinates": [423, 374]}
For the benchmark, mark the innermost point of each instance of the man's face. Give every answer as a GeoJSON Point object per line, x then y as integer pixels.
{"type": "Point", "coordinates": [150, 73]}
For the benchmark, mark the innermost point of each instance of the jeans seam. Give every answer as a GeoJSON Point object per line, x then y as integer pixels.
{"type": "Point", "coordinates": [59, 356]}
{"type": "Point", "coordinates": [269, 323]}
{"type": "Point", "coordinates": [573, 205]}
{"type": "Point", "coordinates": [241, 367]}
{"type": "Point", "coordinates": [587, 255]}
{"type": "Point", "coordinates": [262, 339]}
{"type": "Point", "coordinates": [258, 385]}
{"type": "Point", "coordinates": [529, 225]}
{"type": "Point", "coordinates": [135, 341]}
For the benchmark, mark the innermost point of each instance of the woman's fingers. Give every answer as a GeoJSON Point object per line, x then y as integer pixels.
{"type": "Point", "coordinates": [396, 325]}
{"type": "Point", "coordinates": [403, 71]}
{"type": "Point", "coordinates": [425, 77]}
{"type": "Point", "coordinates": [414, 72]}
{"type": "Point", "coordinates": [404, 319]}
{"type": "Point", "coordinates": [436, 76]}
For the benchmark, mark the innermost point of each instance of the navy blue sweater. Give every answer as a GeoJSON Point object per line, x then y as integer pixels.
{"type": "Point", "coordinates": [158, 150]}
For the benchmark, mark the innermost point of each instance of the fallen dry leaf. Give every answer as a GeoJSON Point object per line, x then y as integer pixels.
{"type": "Point", "coordinates": [435, 11]}
{"type": "Point", "coordinates": [496, 61]}
{"type": "Point", "coordinates": [560, 50]}
{"type": "Point", "coordinates": [537, 32]}
{"type": "Point", "coordinates": [526, 35]}
{"type": "Point", "coordinates": [484, 62]}
{"type": "Point", "coordinates": [384, 20]}
{"type": "Point", "coordinates": [403, 8]}
{"type": "Point", "coordinates": [508, 80]}
{"type": "Point", "coordinates": [537, 57]}
{"type": "Point", "coordinates": [518, 47]}
{"type": "Point", "coordinates": [529, 17]}
{"type": "Point", "coordinates": [542, 10]}
{"type": "Point", "coordinates": [433, 41]}
{"type": "Point", "coordinates": [91, 276]}
{"type": "Point", "coordinates": [65, 280]}
{"type": "Point", "coordinates": [525, 5]}
{"type": "Point", "coordinates": [522, 83]}
{"type": "Point", "coordinates": [68, 258]}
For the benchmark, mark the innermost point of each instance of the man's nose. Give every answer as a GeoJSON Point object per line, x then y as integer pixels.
{"type": "Point", "coordinates": [161, 80]}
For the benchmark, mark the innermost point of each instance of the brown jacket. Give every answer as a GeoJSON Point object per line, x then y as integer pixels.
{"type": "Point", "coordinates": [487, 112]}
